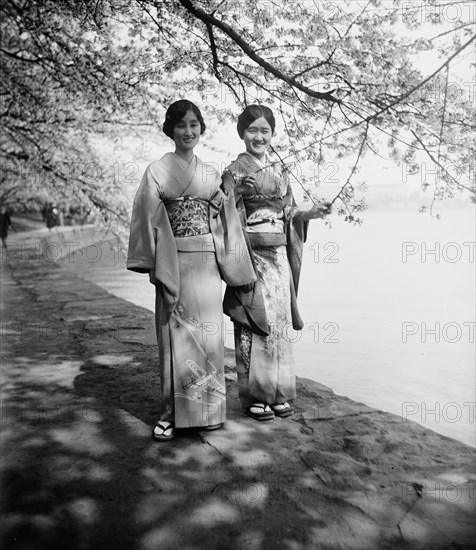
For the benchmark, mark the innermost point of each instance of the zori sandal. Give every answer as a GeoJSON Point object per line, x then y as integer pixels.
{"type": "Point", "coordinates": [282, 409]}
{"type": "Point", "coordinates": [163, 431]}
{"type": "Point", "coordinates": [260, 411]}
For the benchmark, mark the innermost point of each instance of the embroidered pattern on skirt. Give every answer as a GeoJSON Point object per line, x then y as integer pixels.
{"type": "Point", "coordinates": [246, 337]}
{"type": "Point", "coordinates": [273, 272]}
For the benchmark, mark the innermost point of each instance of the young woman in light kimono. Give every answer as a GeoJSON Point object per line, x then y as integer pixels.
{"type": "Point", "coordinates": [185, 232]}
{"type": "Point", "coordinates": [263, 313]}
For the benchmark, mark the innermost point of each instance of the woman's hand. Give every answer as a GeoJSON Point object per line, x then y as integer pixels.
{"type": "Point", "coordinates": [318, 210]}
{"type": "Point", "coordinates": [244, 183]}
{"type": "Point", "coordinates": [238, 184]}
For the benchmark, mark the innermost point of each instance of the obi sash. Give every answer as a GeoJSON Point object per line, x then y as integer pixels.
{"type": "Point", "coordinates": [188, 216]}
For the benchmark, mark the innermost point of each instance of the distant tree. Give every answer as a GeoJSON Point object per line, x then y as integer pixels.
{"type": "Point", "coordinates": [342, 77]}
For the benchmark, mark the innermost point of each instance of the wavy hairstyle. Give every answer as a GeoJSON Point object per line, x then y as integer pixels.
{"type": "Point", "coordinates": [250, 114]}
{"type": "Point", "coordinates": [176, 112]}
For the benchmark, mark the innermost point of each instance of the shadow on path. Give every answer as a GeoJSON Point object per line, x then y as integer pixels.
{"type": "Point", "coordinates": [80, 470]}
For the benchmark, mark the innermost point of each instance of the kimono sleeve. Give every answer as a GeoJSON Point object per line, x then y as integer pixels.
{"type": "Point", "coordinates": [231, 249]}
{"type": "Point", "coordinates": [232, 172]}
{"type": "Point", "coordinates": [296, 235]}
{"type": "Point", "coordinates": [145, 216]}
{"type": "Point", "coordinates": [152, 246]}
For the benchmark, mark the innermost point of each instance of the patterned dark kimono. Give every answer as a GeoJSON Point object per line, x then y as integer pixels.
{"type": "Point", "coordinates": [184, 233]}
{"type": "Point", "coordinates": [265, 316]}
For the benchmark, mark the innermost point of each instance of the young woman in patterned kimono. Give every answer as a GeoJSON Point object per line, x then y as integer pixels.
{"type": "Point", "coordinates": [184, 232]}
{"type": "Point", "coordinates": [263, 313]}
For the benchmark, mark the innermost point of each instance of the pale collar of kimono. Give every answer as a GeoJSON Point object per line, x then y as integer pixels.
{"type": "Point", "coordinates": [248, 158]}
{"type": "Point", "coordinates": [182, 178]}
{"type": "Point", "coordinates": [189, 166]}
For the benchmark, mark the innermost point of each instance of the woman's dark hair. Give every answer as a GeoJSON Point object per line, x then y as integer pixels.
{"type": "Point", "coordinates": [176, 112]}
{"type": "Point", "coordinates": [251, 113]}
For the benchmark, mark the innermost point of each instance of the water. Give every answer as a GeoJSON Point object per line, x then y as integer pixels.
{"type": "Point", "coordinates": [389, 309]}
{"type": "Point", "coordinates": [392, 322]}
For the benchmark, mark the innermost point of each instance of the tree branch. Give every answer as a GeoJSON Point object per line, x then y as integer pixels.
{"type": "Point", "coordinates": [231, 33]}
{"type": "Point", "coordinates": [424, 81]}
{"type": "Point", "coordinates": [437, 163]}
{"type": "Point", "coordinates": [214, 50]}
{"type": "Point", "coordinates": [354, 167]}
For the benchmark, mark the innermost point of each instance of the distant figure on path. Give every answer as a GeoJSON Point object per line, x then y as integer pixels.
{"type": "Point", "coordinates": [5, 223]}
{"type": "Point", "coordinates": [51, 216]}
{"type": "Point", "coordinates": [265, 312]}
{"type": "Point", "coordinates": [182, 227]}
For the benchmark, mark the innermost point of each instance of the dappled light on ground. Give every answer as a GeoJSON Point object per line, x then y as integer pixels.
{"type": "Point", "coordinates": [80, 470]}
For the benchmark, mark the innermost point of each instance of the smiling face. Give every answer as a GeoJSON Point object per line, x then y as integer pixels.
{"type": "Point", "coordinates": [257, 137]}
{"type": "Point", "coordinates": [186, 132]}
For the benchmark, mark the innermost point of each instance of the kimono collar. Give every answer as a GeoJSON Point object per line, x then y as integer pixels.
{"type": "Point", "coordinates": [247, 158]}
{"type": "Point", "coordinates": [175, 179]}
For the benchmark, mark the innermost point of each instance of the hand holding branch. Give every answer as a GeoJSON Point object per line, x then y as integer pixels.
{"type": "Point", "coordinates": [244, 183]}
{"type": "Point", "coordinates": [238, 184]}
{"type": "Point", "coordinates": [318, 210]}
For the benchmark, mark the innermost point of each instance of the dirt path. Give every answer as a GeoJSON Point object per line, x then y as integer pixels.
{"type": "Point", "coordinates": [80, 471]}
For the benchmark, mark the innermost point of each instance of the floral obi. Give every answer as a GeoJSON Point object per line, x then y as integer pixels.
{"type": "Point", "coordinates": [188, 216]}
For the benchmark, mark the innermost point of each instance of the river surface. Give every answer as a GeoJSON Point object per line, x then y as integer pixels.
{"type": "Point", "coordinates": [389, 309]}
